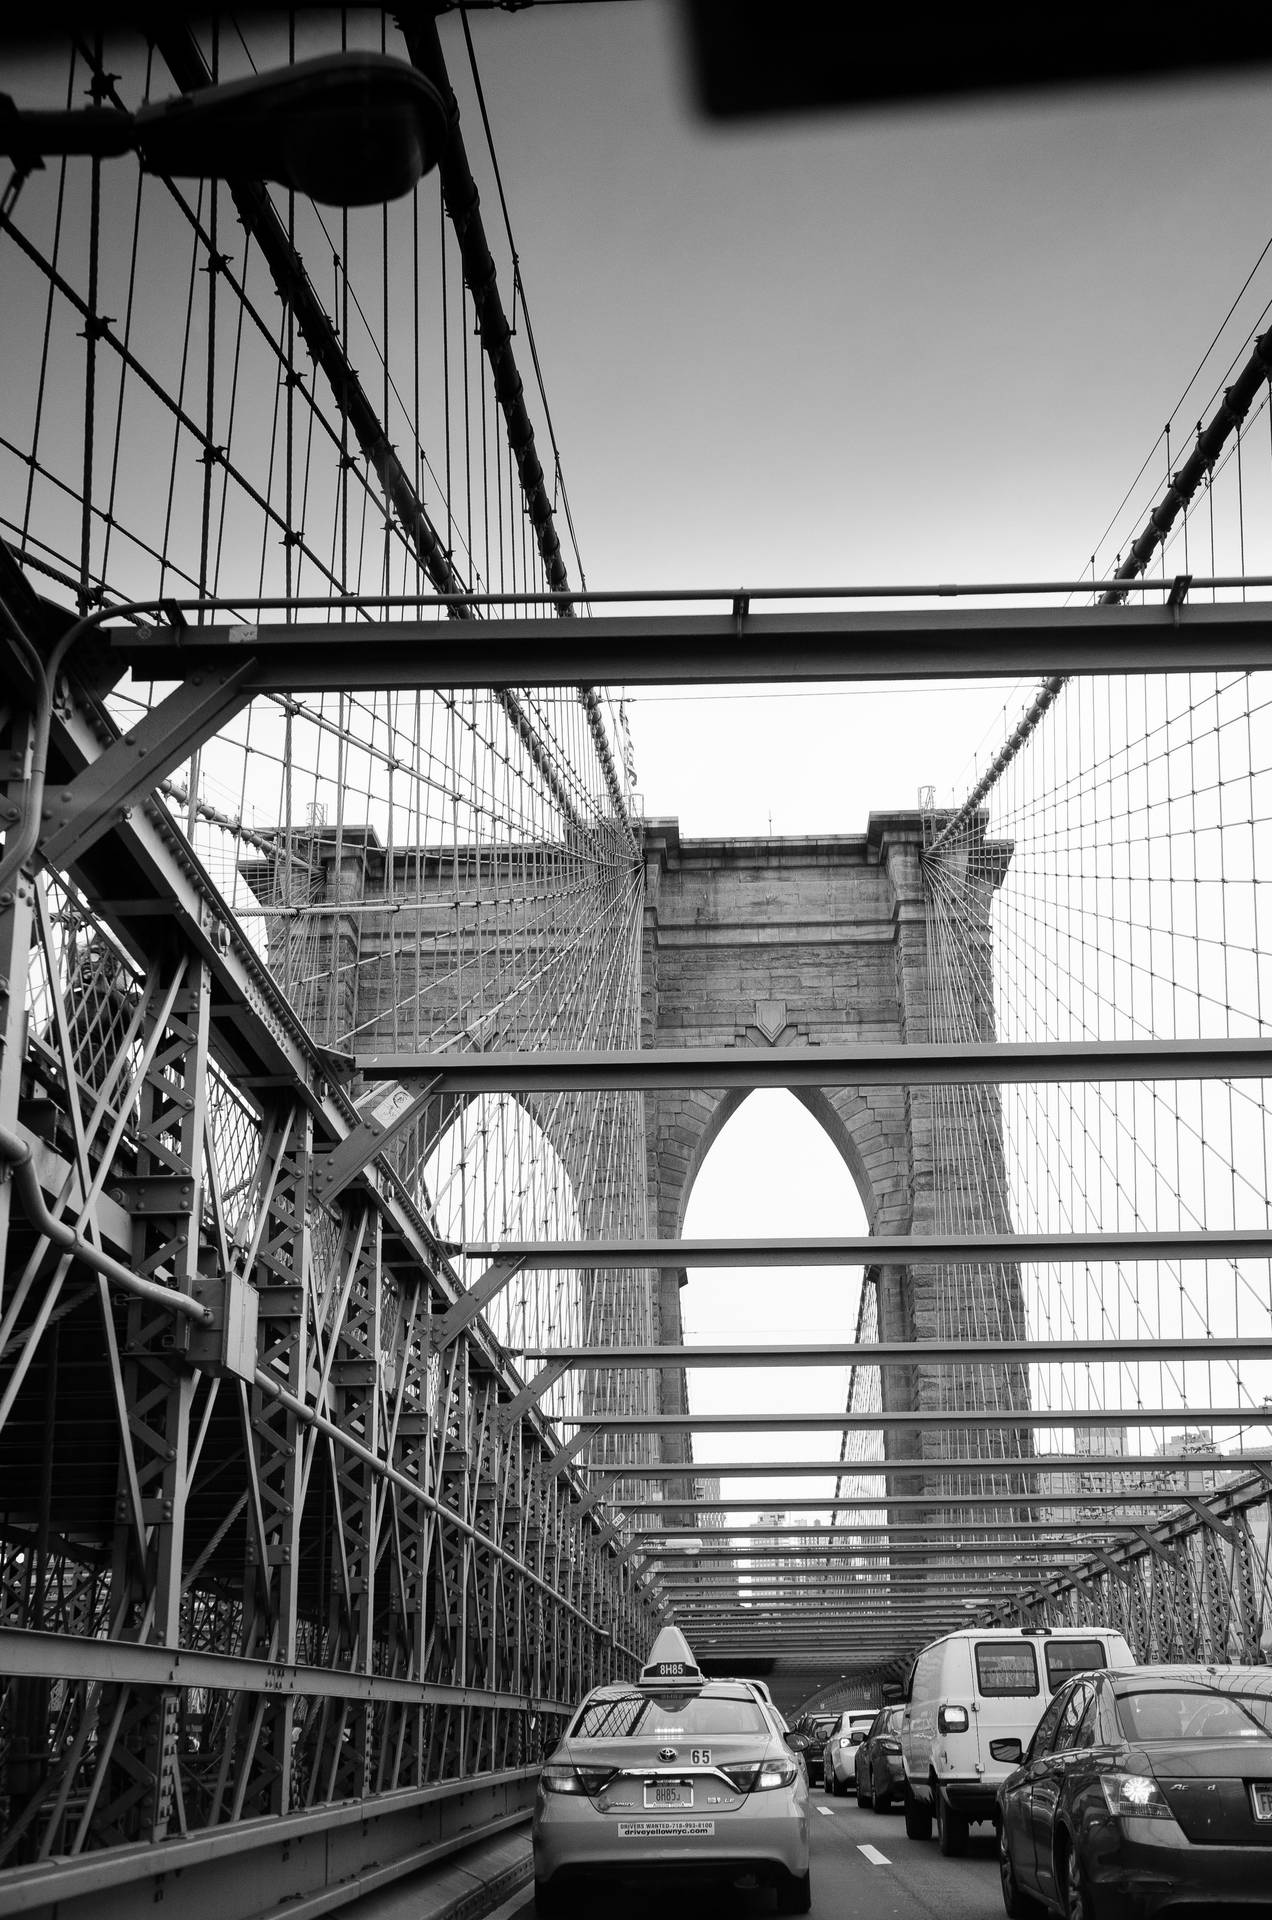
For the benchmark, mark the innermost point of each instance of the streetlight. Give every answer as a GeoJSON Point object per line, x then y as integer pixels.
{"type": "Point", "coordinates": [347, 129]}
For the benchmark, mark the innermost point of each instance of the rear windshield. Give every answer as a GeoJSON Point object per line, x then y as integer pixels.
{"type": "Point", "coordinates": [1006, 1667]}
{"type": "Point", "coordinates": [623, 1716]}
{"type": "Point", "coordinates": [1193, 1713]}
{"type": "Point", "coordinates": [1064, 1657]}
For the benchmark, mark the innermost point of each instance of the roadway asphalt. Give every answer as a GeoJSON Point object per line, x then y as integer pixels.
{"type": "Point", "coordinates": [862, 1864]}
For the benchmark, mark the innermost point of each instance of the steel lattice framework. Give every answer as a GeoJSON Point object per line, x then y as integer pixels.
{"type": "Point", "coordinates": [325, 1250]}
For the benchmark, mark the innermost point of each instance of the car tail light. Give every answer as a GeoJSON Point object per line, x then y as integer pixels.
{"type": "Point", "coordinates": [1135, 1796]}
{"type": "Point", "coordinates": [561, 1778]}
{"type": "Point", "coordinates": [759, 1779]}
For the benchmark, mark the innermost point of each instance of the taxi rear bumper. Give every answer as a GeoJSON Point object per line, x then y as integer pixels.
{"type": "Point", "coordinates": [573, 1839]}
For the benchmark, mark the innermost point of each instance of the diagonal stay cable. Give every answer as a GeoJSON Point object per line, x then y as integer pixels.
{"type": "Point", "coordinates": [256, 210]}
{"type": "Point", "coordinates": [1211, 440]}
{"type": "Point", "coordinates": [463, 202]}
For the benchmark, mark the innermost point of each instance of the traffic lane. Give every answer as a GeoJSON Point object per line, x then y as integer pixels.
{"type": "Point", "coordinates": [862, 1864]}
{"type": "Point", "coordinates": [864, 1858]}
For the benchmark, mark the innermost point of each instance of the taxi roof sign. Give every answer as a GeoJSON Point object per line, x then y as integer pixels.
{"type": "Point", "coordinates": [671, 1659]}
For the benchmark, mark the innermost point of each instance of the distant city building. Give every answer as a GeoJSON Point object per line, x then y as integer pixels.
{"type": "Point", "coordinates": [1064, 1477]}
{"type": "Point", "coordinates": [1200, 1442]}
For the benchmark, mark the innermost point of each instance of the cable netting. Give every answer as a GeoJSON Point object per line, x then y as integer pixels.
{"type": "Point", "coordinates": [1108, 882]}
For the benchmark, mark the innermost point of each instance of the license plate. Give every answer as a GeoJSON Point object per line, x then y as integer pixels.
{"type": "Point", "coordinates": [666, 1829]}
{"type": "Point", "coordinates": [1261, 1799]}
{"type": "Point", "coordinates": [667, 1793]}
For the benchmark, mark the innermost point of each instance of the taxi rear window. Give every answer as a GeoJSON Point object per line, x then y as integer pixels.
{"type": "Point", "coordinates": [625, 1716]}
{"type": "Point", "coordinates": [1064, 1657]}
{"type": "Point", "coordinates": [1006, 1668]}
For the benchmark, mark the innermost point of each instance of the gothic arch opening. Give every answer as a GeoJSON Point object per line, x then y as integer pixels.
{"type": "Point", "coordinates": [771, 1169]}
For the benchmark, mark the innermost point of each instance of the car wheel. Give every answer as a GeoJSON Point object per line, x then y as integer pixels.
{"type": "Point", "coordinates": [837, 1786]}
{"type": "Point", "coordinates": [918, 1819]}
{"type": "Point", "coordinates": [552, 1901]}
{"type": "Point", "coordinates": [1075, 1901]}
{"type": "Point", "coordinates": [795, 1893]}
{"type": "Point", "coordinates": [827, 1781]}
{"type": "Point", "coordinates": [864, 1796]}
{"type": "Point", "coordinates": [951, 1828]}
{"type": "Point", "coordinates": [1018, 1906]}
{"type": "Point", "coordinates": [882, 1802]}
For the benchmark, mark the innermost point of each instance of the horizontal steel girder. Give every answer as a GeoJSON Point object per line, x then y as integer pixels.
{"type": "Point", "coordinates": [982, 1503]}
{"type": "Point", "coordinates": [868, 1536]}
{"type": "Point", "coordinates": [901, 1353]}
{"type": "Point", "coordinates": [900, 1250]}
{"type": "Point", "coordinates": [839, 1469]}
{"type": "Point", "coordinates": [866, 1064]}
{"type": "Point", "coordinates": [965, 1417]}
{"type": "Point", "coordinates": [849, 1563]}
{"type": "Point", "coordinates": [299, 656]}
{"type": "Point", "coordinates": [127, 1662]}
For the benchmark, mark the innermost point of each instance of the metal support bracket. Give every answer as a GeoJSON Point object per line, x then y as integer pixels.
{"type": "Point", "coordinates": [1119, 1573]}
{"type": "Point", "coordinates": [566, 1455]}
{"type": "Point", "coordinates": [597, 1491]}
{"type": "Point", "coordinates": [1203, 1513]}
{"type": "Point", "coordinates": [1154, 1545]}
{"type": "Point", "coordinates": [381, 1124]}
{"type": "Point", "coordinates": [448, 1326]}
{"type": "Point", "coordinates": [77, 815]}
{"type": "Point", "coordinates": [533, 1390]}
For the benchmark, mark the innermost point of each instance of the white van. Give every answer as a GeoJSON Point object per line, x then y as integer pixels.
{"type": "Point", "coordinates": [970, 1692]}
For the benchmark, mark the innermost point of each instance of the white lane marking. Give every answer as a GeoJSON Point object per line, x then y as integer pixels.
{"type": "Point", "coordinates": [828, 1811]}
{"type": "Point", "coordinates": [874, 1856]}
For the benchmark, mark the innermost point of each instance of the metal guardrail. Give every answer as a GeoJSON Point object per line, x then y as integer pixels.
{"type": "Point", "coordinates": [315, 1862]}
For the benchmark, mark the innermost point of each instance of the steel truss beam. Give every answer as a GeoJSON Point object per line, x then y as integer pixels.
{"type": "Point", "coordinates": [877, 1064]}
{"type": "Point", "coordinates": [679, 649]}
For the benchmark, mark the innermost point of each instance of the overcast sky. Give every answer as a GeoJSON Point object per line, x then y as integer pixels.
{"type": "Point", "coordinates": [924, 344]}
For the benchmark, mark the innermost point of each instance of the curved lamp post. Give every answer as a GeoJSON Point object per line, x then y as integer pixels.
{"type": "Point", "coordinates": [346, 129]}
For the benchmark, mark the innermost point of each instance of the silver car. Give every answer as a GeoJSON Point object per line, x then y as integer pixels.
{"type": "Point", "coordinates": [671, 1777]}
{"type": "Point", "coordinates": [839, 1755]}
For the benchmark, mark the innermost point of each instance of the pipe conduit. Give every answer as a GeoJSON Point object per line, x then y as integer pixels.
{"type": "Point", "coordinates": [15, 1154]}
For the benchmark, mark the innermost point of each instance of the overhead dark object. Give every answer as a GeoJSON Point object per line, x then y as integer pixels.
{"type": "Point", "coordinates": [751, 59]}
{"type": "Point", "coordinates": [347, 129]}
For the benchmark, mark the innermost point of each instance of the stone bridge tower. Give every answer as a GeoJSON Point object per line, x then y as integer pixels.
{"type": "Point", "coordinates": [747, 943]}
{"type": "Point", "coordinates": [768, 943]}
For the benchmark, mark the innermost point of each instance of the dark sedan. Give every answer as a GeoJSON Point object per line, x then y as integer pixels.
{"type": "Point", "coordinates": [1144, 1791]}
{"type": "Point", "coordinates": [880, 1772]}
